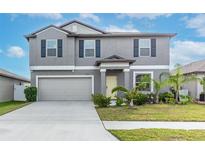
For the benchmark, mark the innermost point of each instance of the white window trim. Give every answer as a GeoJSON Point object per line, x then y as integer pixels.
{"type": "Point", "coordinates": [64, 76]}
{"type": "Point", "coordinates": [72, 67]}
{"type": "Point", "coordinates": [149, 48]}
{"type": "Point", "coordinates": [94, 49]}
{"type": "Point", "coordinates": [143, 72]}
{"type": "Point", "coordinates": [56, 47]}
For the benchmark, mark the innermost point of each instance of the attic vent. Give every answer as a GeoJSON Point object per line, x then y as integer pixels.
{"type": "Point", "coordinates": [74, 28]}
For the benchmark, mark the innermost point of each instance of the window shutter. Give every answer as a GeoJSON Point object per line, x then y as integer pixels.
{"type": "Point", "coordinates": [136, 47]}
{"type": "Point", "coordinates": [81, 48]}
{"type": "Point", "coordinates": [43, 48]}
{"type": "Point", "coordinates": [97, 48]}
{"type": "Point", "coordinates": [60, 48]}
{"type": "Point", "coordinates": [153, 48]}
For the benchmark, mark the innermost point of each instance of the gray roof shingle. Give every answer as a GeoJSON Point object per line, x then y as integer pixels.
{"type": "Point", "coordinates": [12, 75]}
{"type": "Point", "coordinates": [194, 67]}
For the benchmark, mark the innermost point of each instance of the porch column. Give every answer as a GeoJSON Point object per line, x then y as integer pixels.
{"type": "Point", "coordinates": [103, 81]}
{"type": "Point", "coordinates": [126, 78]}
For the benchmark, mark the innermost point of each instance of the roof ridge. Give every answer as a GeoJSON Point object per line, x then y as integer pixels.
{"type": "Point", "coordinates": [4, 72]}
{"type": "Point", "coordinates": [79, 22]}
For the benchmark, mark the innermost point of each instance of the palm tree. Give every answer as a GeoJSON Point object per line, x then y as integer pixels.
{"type": "Point", "coordinates": [157, 84]}
{"type": "Point", "coordinates": [128, 94]}
{"type": "Point", "coordinates": [131, 94]}
{"type": "Point", "coordinates": [177, 79]}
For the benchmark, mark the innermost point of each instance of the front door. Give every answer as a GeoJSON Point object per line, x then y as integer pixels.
{"type": "Point", "coordinates": [111, 82]}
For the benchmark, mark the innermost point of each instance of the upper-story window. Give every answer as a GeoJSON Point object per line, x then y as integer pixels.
{"type": "Point", "coordinates": [51, 47]}
{"type": "Point", "coordinates": [144, 47]}
{"type": "Point", "coordinates": [89, 48]}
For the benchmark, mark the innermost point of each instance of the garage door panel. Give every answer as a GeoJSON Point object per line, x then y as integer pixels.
{"type": "Point", "coordinates": [65, 88]}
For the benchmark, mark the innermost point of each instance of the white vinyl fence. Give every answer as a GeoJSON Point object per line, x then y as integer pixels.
{"type": "Point", "coordinates": [19, 92]}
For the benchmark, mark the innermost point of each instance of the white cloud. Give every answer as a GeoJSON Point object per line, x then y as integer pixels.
{"type": "Point", "coordinates": [90, 16]}
{"type": "Point", "coordinates": [15, 51]}
{"type": "Point", "coordinates": [184, 52]}
{"type": "Point", "coordinates": [197, 23]}
{"type": "Point", "coordinates": [150, 16]}
{"type": "Point", "coordinates": [53, 16]}
{"type": "Point", "coordinates": [126, 28]}
{"type": "Point", "coordinates": [1, 51]}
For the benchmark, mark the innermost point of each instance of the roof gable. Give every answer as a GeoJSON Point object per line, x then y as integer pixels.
{"type": "Point", "coordinates": [81, 28]}
{"type": "Point", "coordinates": [46, 28]}
{"type": "Point", "coordinates": [114, 58]}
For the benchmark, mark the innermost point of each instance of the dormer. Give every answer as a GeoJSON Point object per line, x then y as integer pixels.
{"type": "Point", "coordinates": [78, 27]}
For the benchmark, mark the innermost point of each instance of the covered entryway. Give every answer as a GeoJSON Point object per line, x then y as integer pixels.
{"type": "Point", "coordinates": [114, 71]}
{"type": "Point", "coordinates": [65, 88]}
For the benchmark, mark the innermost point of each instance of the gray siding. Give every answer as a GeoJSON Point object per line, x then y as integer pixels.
{"type": "Point", "coordinates": [156, 74]}
{"type": "Point", "coordinates": [80, 29]}
{"type": "Point", "coordinates": [192, 88]}
{"type": "Point", "coordinates": [7, 88]}
{"type": "Point", "coordinates": [35, 49]}
{"type": "Point", "coordinates": [122, 46]}
{"type": "Point", "coordinates": [96, 73]}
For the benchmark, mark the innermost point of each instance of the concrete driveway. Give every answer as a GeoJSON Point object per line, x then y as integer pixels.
{"type": "Point", "coordinates": [57, 120]}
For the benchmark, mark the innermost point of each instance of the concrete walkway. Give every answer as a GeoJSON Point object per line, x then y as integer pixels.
{"type": "Point", "coordinates": [51, 121]}
{"type": "Point", "coordinates": [151, 124]}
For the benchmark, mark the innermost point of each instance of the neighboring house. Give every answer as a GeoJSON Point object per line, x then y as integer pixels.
{"type": "Point", "coordinates": [7, 81]}
{"type": "Point", "coordinates": [197, 68]}
{"type": "Point", "coordinates": [74, 60]}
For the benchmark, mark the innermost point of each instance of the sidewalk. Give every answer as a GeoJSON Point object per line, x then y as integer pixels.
{"type": "Point", "coordinates": [152, 124]}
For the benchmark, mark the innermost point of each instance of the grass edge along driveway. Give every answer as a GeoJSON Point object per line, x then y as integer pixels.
{"type": "Point", "coordinates": [154, 112]}
{"type": "Point", "coordinates": [9, 106]}
{"type": "Point", "coordinates": [156, 134]}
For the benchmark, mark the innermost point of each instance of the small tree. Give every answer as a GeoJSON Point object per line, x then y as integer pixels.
{"type": "Point", "coordinates": [157, 84]}
{"type": "Point", "coordinates": [131, 94]}
{"type": "Point", "coordinates": [177, 79]}
{"type": "Point", "coordinates": [128, 94]}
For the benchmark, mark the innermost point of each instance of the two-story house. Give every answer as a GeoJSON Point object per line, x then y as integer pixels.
{"type": "Point", "coordinates": [74, 60]}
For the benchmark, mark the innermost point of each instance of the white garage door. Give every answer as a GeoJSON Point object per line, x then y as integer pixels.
{"type": "Point", "coordinates": [72, 88]}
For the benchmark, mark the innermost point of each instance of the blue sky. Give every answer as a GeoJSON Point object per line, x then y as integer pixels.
{"type": "Point", "coordinates": [187, 46]}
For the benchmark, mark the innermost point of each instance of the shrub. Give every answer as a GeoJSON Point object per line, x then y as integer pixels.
{"type": "Point", "coordinates": [186, 100]}
{"type": "Point", "coordinates": [140, 99]}
{"type": "Point", "coordinates": [101, 100]}
{"type": "Point", "coordinates": [170, 100]}
{"type": "Point", "coordinates": [119, 101]}
{"type": "Point", "coordinates": [166, 97]}
{"type": "Point", "coordinates": [30, 94]}
{"type": "Point", "coordinates": [151, 98]}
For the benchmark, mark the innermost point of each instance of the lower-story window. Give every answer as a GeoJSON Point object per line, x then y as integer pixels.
{"type": "Point", "coordinates": [143, 85]}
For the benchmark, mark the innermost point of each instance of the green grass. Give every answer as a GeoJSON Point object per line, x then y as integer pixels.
{"type": "Point", "coordinates": [9, 106]}
{"type": "Point", "coordinates": [154, 112]}
{"type": "Point", "coordinates": [159, 135]}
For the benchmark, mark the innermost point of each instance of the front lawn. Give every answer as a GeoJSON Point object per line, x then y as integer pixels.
{"type": "Point", "coordinates": [6, 107]}
{"type": "Point", "coordinates": [154, 112]}
{"type": "Point", "coordinates": [159, 135]}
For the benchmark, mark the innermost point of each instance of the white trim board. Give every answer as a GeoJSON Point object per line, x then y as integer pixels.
{"type": "Point", "coordinates": [144, 72]}
{"type": "Point", "coordinates": [142, 67]}
{"type": "Point", "coordinates": [65, 76]}
{"type": "Point", "coordinates": [49, 28]}
{"type": "Point", "coordinates": [72, 67]}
